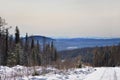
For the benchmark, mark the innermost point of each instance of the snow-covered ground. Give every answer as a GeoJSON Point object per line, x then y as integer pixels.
{"type": "Point", "coordinates": [49, 73]}
{"type": "Point", "coordinates": [105, 73]}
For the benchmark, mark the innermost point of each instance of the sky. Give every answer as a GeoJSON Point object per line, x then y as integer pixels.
{"type": "Point", "coordinates": [63, 18]}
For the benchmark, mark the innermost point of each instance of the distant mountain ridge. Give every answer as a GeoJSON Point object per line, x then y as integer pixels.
{"type": "Point", "coordinates": [88, 39]}
{"type": "Point", "coordinates": [76, 43]}
{"type": "Point", "coordinates": [38, 37]}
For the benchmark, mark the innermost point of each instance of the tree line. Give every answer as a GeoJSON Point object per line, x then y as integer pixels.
{"type": "Point", "coordinates": [27, 52]}
{"type": "Point", "coordinates": [95, 56]}
{"type": "Point", "coordinates": [107, 56]}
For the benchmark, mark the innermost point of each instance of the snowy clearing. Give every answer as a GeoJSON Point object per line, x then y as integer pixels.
{"type": "Point", "coordinates": [49, 73]}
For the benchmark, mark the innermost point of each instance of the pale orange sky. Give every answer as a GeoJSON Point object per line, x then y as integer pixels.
{"type": "Point", "coordinates": [64, 18]}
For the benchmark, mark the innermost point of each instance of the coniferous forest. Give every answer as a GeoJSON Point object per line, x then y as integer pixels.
{"type": "Point", "coordinates": [17, 51]}
{"type": "Point", "coordinates": [96, 56]}
{"type": "Point", "coordinates": [106, 56]}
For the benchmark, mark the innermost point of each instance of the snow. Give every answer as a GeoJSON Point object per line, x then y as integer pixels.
{"type": "Point", "coordinates": [117, 73]}
{"type": "Point", "coordinates": [50, 73]}
{"type": "Point", "coordinates": [72, 47]}
{"type": "Point", "coordinates": [105, 73]}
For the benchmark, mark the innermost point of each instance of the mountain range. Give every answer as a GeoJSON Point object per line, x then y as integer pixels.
{"type": "Point", "coordinates": [76, 43]}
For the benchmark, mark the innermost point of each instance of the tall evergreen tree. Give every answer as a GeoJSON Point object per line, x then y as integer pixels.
{"type": "Point", "coordinates": [17, 45]}
{"type": "Point", "coordinates": [17, 35]}
{"type": "Point", "coordinates": [33, 54]}
{"type": "Point", "coordinates": [6, 48]}
{"type": "Point", "coordinates": [26, 50]}
{"type": "Point", "coordinates": [38, 52]}
{"type": "Point", "coordinates": [54, 54]}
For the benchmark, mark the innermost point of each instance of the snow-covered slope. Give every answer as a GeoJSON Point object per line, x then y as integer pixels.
{"type": "Point", "coordinates": [105, 73]}
{"type": "Point", "coordinates": [49, 73]}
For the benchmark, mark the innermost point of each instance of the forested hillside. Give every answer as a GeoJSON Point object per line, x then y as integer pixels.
{"type": "Point", "coordinates": [85, 53]}
{"type": "Point", "coordinates": [96, 56]}
{"type": "Point", "coordinates": [76, 43]}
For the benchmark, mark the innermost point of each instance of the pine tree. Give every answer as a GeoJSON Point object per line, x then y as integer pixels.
{"type": "Point", "coordinates": [33, 54]}
{"type": "Point", "coordinates": [54, 54]}
{"type": "Point", "coordinates": [26, 51]}
{"type": "Point", "coordinates": [38, 51]}
{"type": "Point", "coordinates": [6, 48]}
{"type": "Point", "coordinates": [17, 35]}
{"type": "Point", "coordinates": [17, 45]}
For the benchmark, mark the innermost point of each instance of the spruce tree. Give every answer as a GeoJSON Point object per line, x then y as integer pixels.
{"type": "Point", "coordinates": [17, 45]}
{"type": "Point", "coordinates": [33, 53]}
{"type": "Point", "coordinates": [6, 48]}
{"type": "Point", "coordinates": [26, 51]}
{"type": "Point", "coordinates": [17, 35]}
{"type": "Point", "coordinates": [38, 51]}
{"type": "Point", "coordinates": [54, 54]}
